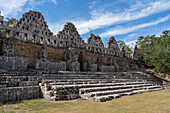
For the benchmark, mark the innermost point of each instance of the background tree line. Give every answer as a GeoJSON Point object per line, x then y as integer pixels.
{"type": "Point", "coordinates": [153, 50]}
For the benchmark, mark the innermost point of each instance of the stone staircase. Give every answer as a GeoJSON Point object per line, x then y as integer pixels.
{"type": "Point", "coordinates": [15, 87]}
{"type": "Point", "coordinates": [99, 87]}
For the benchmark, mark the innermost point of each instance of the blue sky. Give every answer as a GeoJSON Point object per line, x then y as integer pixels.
{"type": "Point", "coordinates": [124, 19]}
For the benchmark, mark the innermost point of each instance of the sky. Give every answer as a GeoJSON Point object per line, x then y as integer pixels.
{"type": "Point", "coordinates": [126, 20]}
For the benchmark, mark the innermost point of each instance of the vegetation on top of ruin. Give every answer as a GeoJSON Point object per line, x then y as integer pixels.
{"type": "Point", "coordinates": [128, 49]}
{"type": "Point", "coordinates": [12, 22]}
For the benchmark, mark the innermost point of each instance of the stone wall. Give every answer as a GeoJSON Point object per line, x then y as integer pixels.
{"type": "Point", "coordinates": [13, 63]}
{"type": "Point", "coordinates": [56, 54]}
{"type": "Point", "coordinates": [19, 93]}
{"type": "Point", "coordinates": [33, 52]}
{"type": "Point", "coordinates": [31, 34]}
{"type": "Point", "coordinates": [92, 67]}
{"type": "Point", "coordinates": [74, 66]}
{"type": "Point", "coordinates": [47, 65]}
{"type": "Point", "coordinates": [30, 51]}
{"type": "Point", "coordinates": [108, 68]}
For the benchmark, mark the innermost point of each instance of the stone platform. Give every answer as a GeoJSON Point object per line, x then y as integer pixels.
{"type": "Point", "coordinates": [99, 87]}
{"type": "Point", "coordinates": [64, 85]}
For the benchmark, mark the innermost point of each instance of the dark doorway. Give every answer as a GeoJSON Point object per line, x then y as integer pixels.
{"type": "Point", "coordinates": [1, 46]}
{"type": "Point", "coordinates": [82, 61]}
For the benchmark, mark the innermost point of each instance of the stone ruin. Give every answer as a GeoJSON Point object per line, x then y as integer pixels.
{"type": "Point", "coordinates": [66, 48]}
{"type": "Point", "coordinates": [35, 64]}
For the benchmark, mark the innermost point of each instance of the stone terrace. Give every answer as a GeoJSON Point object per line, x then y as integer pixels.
{"type": "Point", "coordinates": [98, 87]}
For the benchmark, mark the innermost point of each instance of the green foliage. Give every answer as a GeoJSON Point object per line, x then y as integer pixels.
{"type": "Point", "coordinates": [128, 50]}
{"type": "Point", "coordinates": [70, 44]}
{"type": "Point", "coordinates": [156, 51]}
{"type": "Point", "coordinates": [12, 22]}
{"type": "Point", "coordinates": [163, 75]}
{"type": "Point", "coordinates": [152, 73]}
{"type": "Point", "coordinates": [1, 103]}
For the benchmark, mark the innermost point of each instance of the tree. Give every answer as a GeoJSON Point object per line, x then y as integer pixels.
{"type": "Point", "coordinates": [12, 22]}
{"type": "Point", "coordinates": [155, 51]}
{"type": "Point", "coordinates": [128, 50]}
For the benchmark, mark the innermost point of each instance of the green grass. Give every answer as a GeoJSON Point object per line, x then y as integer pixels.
{"type": "Point", "coordinates": [150, 102]}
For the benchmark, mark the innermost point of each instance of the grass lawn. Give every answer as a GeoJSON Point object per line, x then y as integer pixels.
{"type": "Point", "coordinates": [150, 102]}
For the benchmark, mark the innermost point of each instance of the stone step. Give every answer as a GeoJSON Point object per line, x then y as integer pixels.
{"type": "Point", "coordinates": [108, 92]}
{"type": "Point", "coordinates": [90, 76]}
{"type": "Point", "coordinates": [95, 85]}
{"type": "Point", "coordinates": [19, 83]}
{"type": "Point", "coordinates": [93, 89]}
{"type": "Point", "coordinates": [18, 78]}
{"type": "Point", "coordinates": [85, 80]}
{"type": "Point", "coordinates": [103, 98]}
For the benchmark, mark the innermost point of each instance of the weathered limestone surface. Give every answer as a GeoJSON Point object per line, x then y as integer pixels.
{"type": "Point", "coordinates": [95, 41]}
{"type": "Point", "coordinates": [112, 44]}
{"type": "Point", "coordinates": [18, 85]}
{"type": "Point", "coordinates": [13, 63]}
{"type": "Point", "coordinates": [135, 53]}
{"type": "Point", "coordinates": [108, 68]}
{"type": "Point", "coordinates": [32, 39]}
{"type": "Point", "coordinates": [92, 67]}
{"type": "Point", "coordinates": [19, 93]}
{"type": "Point", "coordinates": [75, 66]}
{"type": "Point", "coordinates": [98, 87]}
{"type": "Point", "coordinates": [47, 65]}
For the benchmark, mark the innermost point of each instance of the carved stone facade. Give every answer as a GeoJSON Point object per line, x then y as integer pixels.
{"type": "Point", "coordinates": [64, 51]}
{"type": "Point", "coordinates": [95, 41]}
{"type": "Point", "coordinates": [135, 53]}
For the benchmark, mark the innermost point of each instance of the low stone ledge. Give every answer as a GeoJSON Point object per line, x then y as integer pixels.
{"type": "Point", "coordinates": [47, 65]}
{"type": "Point", "coordinates": [13, 63]}
{"type": "Point", "coordinates": [74, 66]}
{"type": "Point", "coordinates": [108, 69]}
{"type": "Point", "coordinates": [92, 67]}
{"type": "Point", "coordinates": [19, 93]}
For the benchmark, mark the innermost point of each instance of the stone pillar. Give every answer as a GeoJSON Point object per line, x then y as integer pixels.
{"type": "Point", "coordinates": [135, 53]}
{"type": "Point", "coordinates": [115, 64]}
{"type": "Point", "coordinates": [44, 52]}
{"type": "Point", "coordinates": [8, 47]}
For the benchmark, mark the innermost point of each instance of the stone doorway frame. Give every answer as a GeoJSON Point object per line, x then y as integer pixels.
{"type": "Point", "coordinates": [82, 59]}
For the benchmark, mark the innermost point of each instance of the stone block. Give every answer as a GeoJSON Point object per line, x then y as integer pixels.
{"type": "Point", "coordinates": [13, 63]}
{"type": "Point", "coordinates": [92, 67]}
{"type": "Point", "coordinates": [108, 68]}
{"type": "Point", "coordinates": [47, 65]}
{"type": "Point", "coordinates": [74, 66]}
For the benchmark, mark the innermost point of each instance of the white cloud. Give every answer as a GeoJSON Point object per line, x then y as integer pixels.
{"type": "Point", "coordinates": [12, 7]}
{"type": "Point", "coordinates": [54, 1]}
{"type": "Point", "coordinates": [93, 4]}
{"type": "Point", "coordinates": [103, 19]}
{"type": "Point", "coordinates": [130, 37]}
{"type": "Point", "coordinates": [131, 43]}
{"type": "Point", "coordinates": [121, 30]}
{"type": "Point", "coordinates": [55, 27]}
{"type": "Point", "coordinates": [15, 7]}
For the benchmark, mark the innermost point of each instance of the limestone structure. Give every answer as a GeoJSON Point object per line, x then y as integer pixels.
{"type": "Point", "coordinates": [135, 53]}
{"type": "Point", "coordinates": [32, 59]}
{"type": "Point", "coordinates": [66, 46]}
